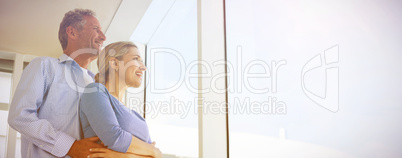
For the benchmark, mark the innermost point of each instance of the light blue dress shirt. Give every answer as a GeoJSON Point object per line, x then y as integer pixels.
{"type": "Point", "coordinates": [104, 116]}
{"type": "Point", "coordinates": [45, 106]}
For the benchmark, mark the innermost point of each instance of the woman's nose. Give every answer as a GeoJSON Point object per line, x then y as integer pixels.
{"type": "Point", "coordinates": [143, 67]}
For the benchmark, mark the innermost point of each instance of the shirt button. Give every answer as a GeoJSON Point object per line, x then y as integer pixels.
{"type": "Point", "coordinates": [41, 146]}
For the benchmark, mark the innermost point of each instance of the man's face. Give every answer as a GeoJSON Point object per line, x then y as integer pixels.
{"type": "Point", "coordinates": [91, 35]}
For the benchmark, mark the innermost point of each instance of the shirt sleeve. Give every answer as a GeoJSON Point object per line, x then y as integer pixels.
{"type": "Point", "coordinates": [23, 115]}
{"type": "Point", "coordinates": [97, 108]}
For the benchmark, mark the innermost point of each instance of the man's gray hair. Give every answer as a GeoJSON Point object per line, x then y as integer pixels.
{"type": "Point", "coordinates": [74, 18]}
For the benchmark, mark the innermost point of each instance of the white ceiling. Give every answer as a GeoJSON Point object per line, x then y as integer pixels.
{"type": "Point", "coordinates": [31, 27]}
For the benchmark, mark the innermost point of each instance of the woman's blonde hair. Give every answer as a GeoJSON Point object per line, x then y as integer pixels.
{"type": "Point", "coordinates": [116, 50]}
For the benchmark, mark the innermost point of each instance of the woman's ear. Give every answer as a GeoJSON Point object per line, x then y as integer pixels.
{"type": "Point", "coordinates": [114, 64]}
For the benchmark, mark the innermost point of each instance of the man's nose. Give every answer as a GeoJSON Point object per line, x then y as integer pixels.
{"type": "Point", "coordinates": [102, 36]}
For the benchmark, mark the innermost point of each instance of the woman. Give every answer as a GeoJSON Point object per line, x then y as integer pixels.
{"type": "Point", "coordinates": [102, 113]}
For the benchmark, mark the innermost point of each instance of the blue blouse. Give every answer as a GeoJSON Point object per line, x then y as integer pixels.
{"type": "Point", "coordinates": [104, 116]}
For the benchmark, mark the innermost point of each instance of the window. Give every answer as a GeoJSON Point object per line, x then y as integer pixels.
{"type": "Point", "coordinates": [314, 79]}
{"type": "Point", "coordinates": [5, 82]}
{"type": "Point", "coordinates": [170, 105]}
{"type": "Point", "coordinates": [8, 75]}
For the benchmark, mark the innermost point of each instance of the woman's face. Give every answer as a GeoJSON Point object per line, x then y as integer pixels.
{"type": "Point", "coordinates": [133, 67]}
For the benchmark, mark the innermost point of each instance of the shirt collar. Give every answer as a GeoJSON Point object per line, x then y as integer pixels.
{"type": "Point", "coordinates": [64, 58]}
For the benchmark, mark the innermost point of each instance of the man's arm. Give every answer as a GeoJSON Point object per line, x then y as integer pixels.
{"type": "Point", "coordinates": [81, 148]}
{"type": "Point", "coordinates": [23, 115]}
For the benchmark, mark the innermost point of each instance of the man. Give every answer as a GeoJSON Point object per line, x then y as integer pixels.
{"type": "Point", "coordinates": [45, 104]}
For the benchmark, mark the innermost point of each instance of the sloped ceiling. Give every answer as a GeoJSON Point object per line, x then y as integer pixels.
{"type": "Point", "coordinates": [31, 27]}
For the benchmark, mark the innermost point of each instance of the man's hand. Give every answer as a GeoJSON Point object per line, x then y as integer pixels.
{"type": "Point", "coordinates": [81, 147]}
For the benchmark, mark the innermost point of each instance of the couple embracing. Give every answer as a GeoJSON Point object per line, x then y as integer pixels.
{"type": "Point", "coordinates": [57, 118]}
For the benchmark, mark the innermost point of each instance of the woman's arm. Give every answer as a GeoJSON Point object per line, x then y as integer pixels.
{"type": "Point", "coordinates": [106, 153]}
{"type": "Point", "coordinates": [100, 114]}
{"type": "Point", "coordinates": [97, 109]}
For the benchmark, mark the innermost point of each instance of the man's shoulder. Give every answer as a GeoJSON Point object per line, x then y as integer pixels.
{"type": "Point", "coordinates": [47, 66]}
{"type": "Point", "coordinates": [44, 63]}
{"type": "Point", "coordinates": [43, 59]}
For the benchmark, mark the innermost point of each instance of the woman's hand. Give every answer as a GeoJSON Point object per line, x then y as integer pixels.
{"type": "Point", "coordinates": [140, 147]}
{"type": "Point", "coordinates": [107, 153]}
{"type": "Point", "coordinates": [157, 152]}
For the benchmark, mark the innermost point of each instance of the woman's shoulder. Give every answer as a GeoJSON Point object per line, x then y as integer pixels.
{"type": "Point", "coordinates": [94, 84]}
{"type": "Point", "coordinates": [95, 87]}
{"type": "Point", "coordinates": [94, 91]}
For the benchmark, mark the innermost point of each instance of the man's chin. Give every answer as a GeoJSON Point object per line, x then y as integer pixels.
{"type": "Point", "coordinates": [96, 50]}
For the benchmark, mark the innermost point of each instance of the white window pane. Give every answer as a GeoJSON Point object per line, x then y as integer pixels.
{"type": "Point", "coordinates": [329, 78]}
{"type": "Point", "coordinates": [170, 105]}
{"type": "Point", "coordinates": [3, 131]}
{"type": "Point", "coordinates": [5, 84]}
